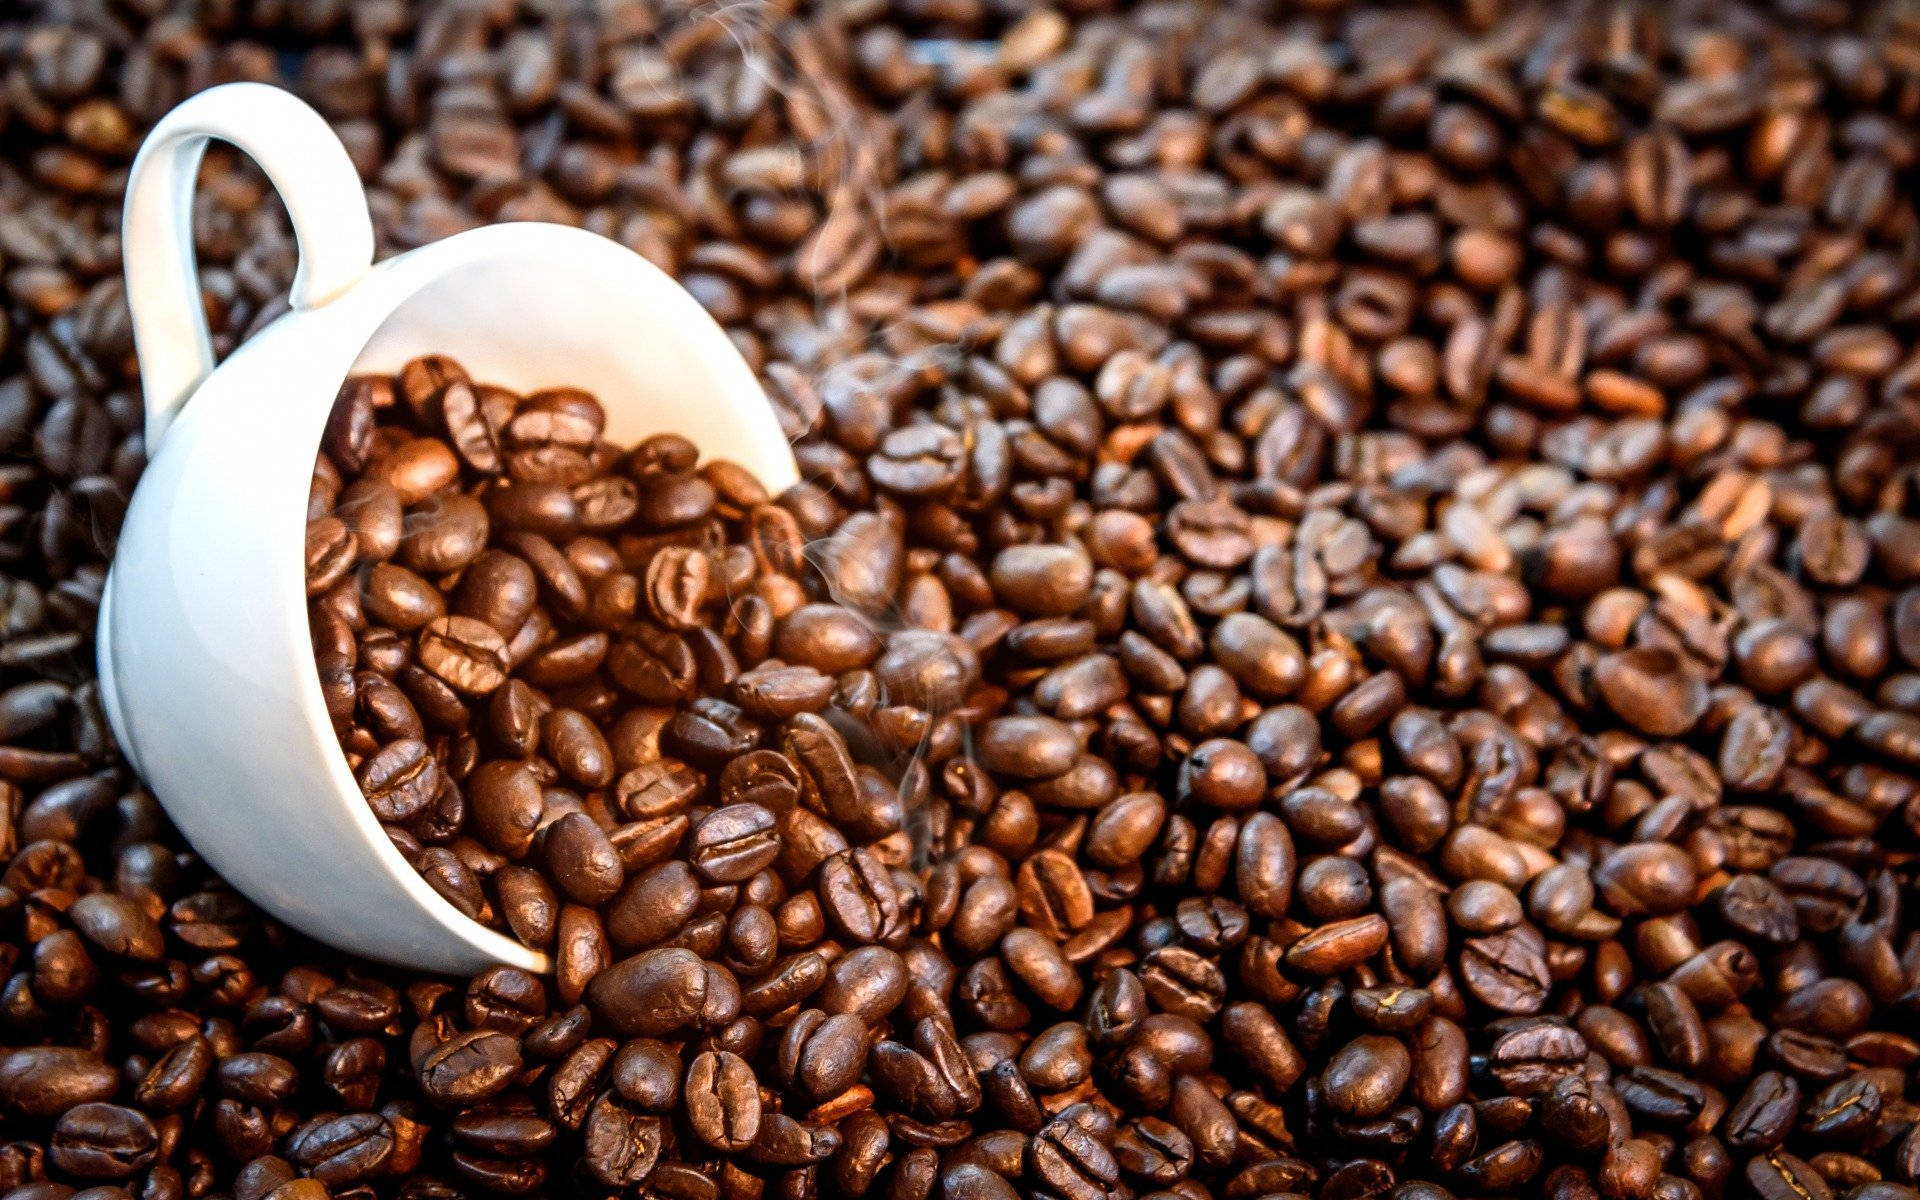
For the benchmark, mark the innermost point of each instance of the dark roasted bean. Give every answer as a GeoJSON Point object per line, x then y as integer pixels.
{"type": "Point", "coordinates": [102, 1141]}
{"type": "Point", "coordinates": [722, 1101]}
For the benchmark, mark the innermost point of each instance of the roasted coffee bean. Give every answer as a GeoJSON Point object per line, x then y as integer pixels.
{"type": "Point", "coordinates": [647, 1073]}
{"type": "Point", "coordinates": [1653, 690]}
{"type": "Point", "coordinates": [1844, 1110]}
{"type": "Point", "coordinates": [971, 1181]}
{"type": "Point", "coordinates": [1756, 910]}
{"type": "Point", "coordinates": [506, 804]}
{"type": "Point", "coordinates": [1530, 1058]}
{"type": "Point", "coordinates": [1572, 1112]}
{"type": "Point", "coordinates": [1764, 1114]}
{"type": "Point", "coordinates": [620, 1147]}
{"type": "Point", "coordinates": [823, 1055]}
{"type": "Point", "coordinates": [401, 780]}
{"type": "Point", "coordinates": [342, 1150]}
{"type": "Point", "coordinates": [1027, 747]}
{"type": "Point", "coordinates": [723, 1101]}
{"type": "Point", "coordinates": [1661, 1097]}
{"type": "Point", "coordinates": [858, 896]}
{"type": "Point", "coordinates": [176, 1077]}
{"type": "Point", "coordinates": [102, 1141]}
{"type": "Point", "coordinates": [581, 860]}
{"type": "Point", "coordinates": [1646, 878]}
{"type": "Point", "coordinates": [733, 844]}
{"type": "Point", "coordinates": [1366, 1076]}
{"type": "Point", "coordinates": [444, 534]}
{"type": "Point", "coordinates": [1780, 1176]}
{"type": "Point", "coordinates": [1505, 972]}
{"type": "Point", "coordinates": [465, 654]}
{"type": "Point", "coordinates": [469, 1067]}
{"type": "Point", "coordinates": [44, 1081]}
{"type": "Point", "coordinates": [656, 992]}
{"type": "Point", "coordinates": [1043, 580]}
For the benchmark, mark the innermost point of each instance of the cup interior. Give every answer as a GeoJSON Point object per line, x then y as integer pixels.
{"type": "Point", "coordinates": [549, 311]}
{"type": "Point", "coordinates": [530, 307]}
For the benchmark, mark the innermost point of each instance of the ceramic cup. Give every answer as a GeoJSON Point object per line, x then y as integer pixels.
{"type": "Point", "coordinates": [206, 663]}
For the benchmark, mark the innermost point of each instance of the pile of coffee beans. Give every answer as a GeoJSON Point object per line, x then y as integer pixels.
{"type": "Point", "coordinates": [584, 690]}
{"type": "Point", "coordinates": [1352, 629]}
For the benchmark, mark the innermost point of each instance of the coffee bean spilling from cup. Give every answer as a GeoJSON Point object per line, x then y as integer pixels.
{"type": "Point", "coordinates": [1017, 854]}
{"type": "Point", "coordinates": [1352, 630]}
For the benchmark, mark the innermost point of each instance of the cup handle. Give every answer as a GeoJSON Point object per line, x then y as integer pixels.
{"type": "Point", "coordinates": [316, 180]}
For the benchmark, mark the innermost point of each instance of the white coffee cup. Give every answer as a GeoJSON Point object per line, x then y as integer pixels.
{"type": "Point", "coordinates": [206, 662]}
